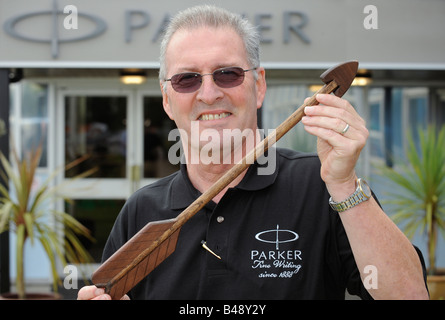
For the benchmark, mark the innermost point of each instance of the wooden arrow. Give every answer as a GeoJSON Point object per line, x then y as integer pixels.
{"type": "Point", "coordinates": [157, 240]}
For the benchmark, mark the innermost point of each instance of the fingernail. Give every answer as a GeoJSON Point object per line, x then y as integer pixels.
{"type": "Point", "coordinates": [99, 291]}
{"type": "Point", "coordinates": [306, 109]}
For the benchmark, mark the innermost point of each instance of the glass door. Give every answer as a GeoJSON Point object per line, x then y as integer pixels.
{"type": "Point", "coordinates": [95, 125]}
{"type": "Point", "coordinates": [124, 135]}
{"type": "Point", "coordinates": [156, 145]}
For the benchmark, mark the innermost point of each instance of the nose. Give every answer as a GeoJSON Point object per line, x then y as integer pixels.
{"type": "Point", "coordinates": [209, 92]}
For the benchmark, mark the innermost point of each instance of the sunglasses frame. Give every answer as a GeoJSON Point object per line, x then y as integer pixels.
{"type": "Point", "coordinates": [199, 76]}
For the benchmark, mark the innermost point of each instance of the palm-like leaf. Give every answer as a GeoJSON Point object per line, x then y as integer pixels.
{"type": "Point", "coordinates": [419, 199]}
{"type": "Point", "coordinates": [29, 216]}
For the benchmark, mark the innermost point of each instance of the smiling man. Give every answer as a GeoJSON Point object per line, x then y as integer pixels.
{"type": "Point", "coordinates": [308, 230]}
{"type": "Point", "coordinates": [226, 92]}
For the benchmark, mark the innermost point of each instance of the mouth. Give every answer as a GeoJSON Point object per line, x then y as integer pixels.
{"type": "Point", "coordinates": [213, 116]}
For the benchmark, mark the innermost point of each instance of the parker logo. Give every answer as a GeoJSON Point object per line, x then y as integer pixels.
{"type": "Point", "coordinates": [277, 236]}
{"type": "Point", "coordinates": [53, 38]}
{"type": "Point", "coordinates": [276, 263]}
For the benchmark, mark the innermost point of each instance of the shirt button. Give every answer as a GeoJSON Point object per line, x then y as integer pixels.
{"type": "Point", "coordinates": [220, 219]}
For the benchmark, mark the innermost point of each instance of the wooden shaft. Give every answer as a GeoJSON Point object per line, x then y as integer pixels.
{"type": "Point", "coordinates": [225, 180]}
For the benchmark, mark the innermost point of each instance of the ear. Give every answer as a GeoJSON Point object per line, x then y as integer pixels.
{"type": "Point", "coordinates": [165, 102]}
{"type": "Point", "coordinates": [261, 86]}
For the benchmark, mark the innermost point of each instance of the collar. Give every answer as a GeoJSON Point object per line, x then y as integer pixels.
{"type": "Point", "coordinates": [183, 193]}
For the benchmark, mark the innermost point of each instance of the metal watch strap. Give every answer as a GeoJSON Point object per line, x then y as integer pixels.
{"type": "Point", "coordinates": [357, 197]}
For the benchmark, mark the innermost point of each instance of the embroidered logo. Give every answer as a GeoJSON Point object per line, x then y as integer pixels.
{"type": "Point", "coordinates": [276, 263]}
{"type": "Point", "coordinates": [277, 236]}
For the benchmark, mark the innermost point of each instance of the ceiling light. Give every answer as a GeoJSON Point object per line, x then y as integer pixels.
{"type": "Point", "coordinates": [363, 78]}
{"type": "Point", "coordinates": [315, 87]}
{"type": "Point", "coordinates": [133, 76]}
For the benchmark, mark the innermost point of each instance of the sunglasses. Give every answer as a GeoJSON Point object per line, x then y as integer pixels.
{"type": "Point", "coordinates": [188, 82]}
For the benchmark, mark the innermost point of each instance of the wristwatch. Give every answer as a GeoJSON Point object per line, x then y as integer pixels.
{"type": "Point", "coordinates": [361, 194]}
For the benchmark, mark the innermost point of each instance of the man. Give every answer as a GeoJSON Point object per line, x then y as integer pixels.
{"type": "Point", "coordinates": [269, 236]}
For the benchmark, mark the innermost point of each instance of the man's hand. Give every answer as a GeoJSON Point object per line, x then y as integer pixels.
{"type": "Point", "coordinates": [338, 150]}
{"type": "Point", "coordinates": [94, 293]}
{"type": "Point", "coordinates": [374, 238]}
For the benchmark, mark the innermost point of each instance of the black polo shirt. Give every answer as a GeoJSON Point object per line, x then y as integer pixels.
{"type": "Point", "coordinates": [276, 235]}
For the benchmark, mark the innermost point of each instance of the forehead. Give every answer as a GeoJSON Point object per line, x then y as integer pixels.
{"type": "Point", "coordinates": [205, 48]}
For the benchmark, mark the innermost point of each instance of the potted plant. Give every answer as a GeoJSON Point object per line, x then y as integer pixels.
{"type": "Point", "coordinates": [28, 214]}
{"type": "Point", "coordinates": [418, 197]}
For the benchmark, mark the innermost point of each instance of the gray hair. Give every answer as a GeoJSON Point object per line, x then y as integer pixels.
{"type": "Point", "coordinates": [211, 16]}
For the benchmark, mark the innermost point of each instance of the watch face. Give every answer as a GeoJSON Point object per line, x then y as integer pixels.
{"type": "Point", "coordinates": [365, 188]}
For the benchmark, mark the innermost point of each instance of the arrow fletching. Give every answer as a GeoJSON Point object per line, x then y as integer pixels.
{"type": "Point", "coordinates": [136, 258]}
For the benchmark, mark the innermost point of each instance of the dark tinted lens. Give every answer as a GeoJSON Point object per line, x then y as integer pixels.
{"type": "Point", "coordinates": [229, 77]}
{"type": "Point", "coordinates": [186, 82]}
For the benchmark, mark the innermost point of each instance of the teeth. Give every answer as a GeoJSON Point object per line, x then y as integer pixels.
{"type": "Point", "coordinates": [212, 116]}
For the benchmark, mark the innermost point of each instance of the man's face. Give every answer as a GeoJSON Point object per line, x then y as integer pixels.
{"type": "Point", "coordinates": [204, 50]}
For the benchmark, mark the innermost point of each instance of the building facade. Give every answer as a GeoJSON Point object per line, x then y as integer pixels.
{"type": "Point", "coordinates": [67, 60]}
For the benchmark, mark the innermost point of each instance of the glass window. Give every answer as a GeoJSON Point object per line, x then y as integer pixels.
{"type": "Point", "coordinates": [280, 102]}
{"type": "Point", "coordinates": [157, 126]}
{"type": "Point", "coordinates": [33, 134]}
{"type": "Point", "coordinates": [96, 126]}
{"type": "Point", "coordinates": [34, 119]}
{"type": "Point", "coordinates": [98, 216]}
{"type": "Point", "coordinates": [417, 116]}
{"type": "Point", "coordinates": [375, 116]}
{"type": "Point", "coordinates": [34, 100]}
{"type": "Point", "coordinates": [396, 129]}
{"type": "Point", "coordinates": [375, 124]}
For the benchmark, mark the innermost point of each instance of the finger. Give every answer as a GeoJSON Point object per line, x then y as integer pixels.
{"type": "Point", "coordinates": [336, 113]}
{"type": "Point", "coordinates": [341, 104]}
{"type": "Point", "coordinates": [344, 144]}
{"type": "Point", "coordinates": [92, 293]}
{"type": "Point", "coordinates": [328, 128]}
{"type": "Point", "coordinates": [335, 124]}
{"type": "Point", "coordinates": [87, 293]}
{"type": "Point", "coordinates": [337, 102]}
{"type": "Point", "coordinates": [308, 100]}
{"type": "Point", "coordinates": [102, 297]}
{"type": "Point", "coordinates": [342, 111]}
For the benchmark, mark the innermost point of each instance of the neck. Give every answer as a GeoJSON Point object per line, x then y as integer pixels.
{"type": "Point", "coordinates": [203, 175]}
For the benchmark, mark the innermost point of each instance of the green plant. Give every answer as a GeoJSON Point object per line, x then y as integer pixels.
{"type": "Point", "coordinates": [27, 213]}
{"type": "Point", "coordinates": [419, 198]}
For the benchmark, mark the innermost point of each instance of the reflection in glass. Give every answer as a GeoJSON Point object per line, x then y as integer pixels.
{"type": "Point", "coordinates": [157, 126]}
{"type": "Point", "coordinates": [96, 126]}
